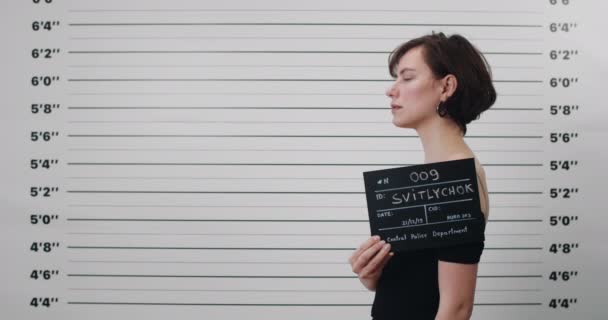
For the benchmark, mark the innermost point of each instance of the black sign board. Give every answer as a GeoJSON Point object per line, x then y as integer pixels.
{"type": "Point", "coordinates": [425, 206]}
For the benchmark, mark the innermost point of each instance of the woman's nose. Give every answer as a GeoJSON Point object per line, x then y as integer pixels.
{"type": "Point", "coordinates": [389, 91]}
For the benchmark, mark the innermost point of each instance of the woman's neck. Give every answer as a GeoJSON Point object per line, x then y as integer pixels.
{"type": "Point", "coordinates": [442, 140]}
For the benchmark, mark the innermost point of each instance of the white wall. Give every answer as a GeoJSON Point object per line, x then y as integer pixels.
{"type": "Point", "coordinates": [292, 150]}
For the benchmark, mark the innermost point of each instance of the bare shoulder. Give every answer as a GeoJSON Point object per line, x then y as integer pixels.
{"type": "Point", "coordinates": [481, 181]}
{"type": "Point", "coordinates": [482, 185]}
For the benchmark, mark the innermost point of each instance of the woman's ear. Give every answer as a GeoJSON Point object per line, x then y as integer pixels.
{"type": "Point", "coordinates": [449, 83]}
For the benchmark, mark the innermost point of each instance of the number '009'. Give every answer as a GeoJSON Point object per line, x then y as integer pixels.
{"type": "Point", "coordinates": [433, 174]}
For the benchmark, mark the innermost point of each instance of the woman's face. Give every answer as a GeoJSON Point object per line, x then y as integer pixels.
{"type": "Point", "coordinates": [415, 93]}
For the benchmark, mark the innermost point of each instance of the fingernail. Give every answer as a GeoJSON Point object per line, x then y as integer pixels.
{"type": "Point", "coordinates": [376, 238]}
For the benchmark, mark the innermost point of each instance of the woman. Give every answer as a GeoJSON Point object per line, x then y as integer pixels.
{"type": "Point", "coordinates": [441, 84]}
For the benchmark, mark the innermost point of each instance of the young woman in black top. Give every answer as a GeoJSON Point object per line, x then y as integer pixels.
{"type": "Point", "coordinates": [441, 84]}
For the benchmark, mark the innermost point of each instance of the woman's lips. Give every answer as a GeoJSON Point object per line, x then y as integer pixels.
{"type": "Point", "coordinates": [395, 107]}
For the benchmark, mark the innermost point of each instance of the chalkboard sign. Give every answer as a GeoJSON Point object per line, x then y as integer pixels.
{"type": "Point", "coordinates": [425, 206]}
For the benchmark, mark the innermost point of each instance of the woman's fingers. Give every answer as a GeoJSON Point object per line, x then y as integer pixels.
{"type": "Point", "coordinates": [364, 246]}
{"type": "Point", "coordinates": [386, 258]}
{"type": "Point", "coordinates": [370, 257]}
{"type": "Point", "coordinates": [364, 258]}
{"type": "Point", "coordinates": [378, 261]}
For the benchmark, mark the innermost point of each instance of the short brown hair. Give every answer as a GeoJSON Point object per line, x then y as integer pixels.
{"type": "Point", "coordinates": [455, 55]}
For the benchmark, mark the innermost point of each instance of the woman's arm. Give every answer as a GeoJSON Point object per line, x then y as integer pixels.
{"type": "Point", "coordinates": [456, 290]}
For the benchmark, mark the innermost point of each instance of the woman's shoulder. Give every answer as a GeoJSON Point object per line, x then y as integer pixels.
{"type": "Point", "coordinates": [483, 190]}
{"type": "Point", "coordinates": [481, 180]}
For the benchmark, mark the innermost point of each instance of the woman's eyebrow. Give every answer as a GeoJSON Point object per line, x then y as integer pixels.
{"type": "Point", "coordinates": [406, 69]}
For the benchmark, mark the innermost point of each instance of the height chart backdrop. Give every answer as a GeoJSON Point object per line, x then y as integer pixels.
{"type": "Point", "coordinates": [204, 159]}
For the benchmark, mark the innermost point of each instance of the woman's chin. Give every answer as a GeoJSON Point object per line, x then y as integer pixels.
{"type": "Point", "coordinates": [400, 124]}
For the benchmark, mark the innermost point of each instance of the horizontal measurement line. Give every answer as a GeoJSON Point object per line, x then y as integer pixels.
{"type": "Point", "coordinates": [262, 108]}
{"type": "Point", "coordinates": [511, 276]}
{"type": "Point", "coordinates": [379, 123]}
{"type": "Point", "coordinates": [215, 192]}
{"type": "Point", "coordinates": [229, 108]}
{"type": "Point", "coordinates": [301, 24]}
{"type": "Point", "coordinates": [257, 79]}
{"type": "Point", "coordinates": [204, 248]}
{"type": "Point", "coordinates": [258, 192]}
{"type": "Point", "coordinates": [254, 220]}
{"type": "Point", "coordinates": [217, 304]}
{"type": "Point", "coordinates": [216, 290]}
{"type": "Point", "coordinates": [260, 290]}
{"type": "Point", "coordinates": [507, 248]}
{"type": "Point", "coordinates": [509, 304]}
{"type": "Point", "coordinates": [248, 65]}
{"type": "Point", "coordinates": [267, 52]}
{"type": "Point", "coordinates": [260, 262]}
{"type": "Point", "coordinates": [514, 234]}
{"type": "Point", "coordinates": [219, 65]}
{"type": "Point", "coordinates": [222, 206]}
{"type": "Point", "coordinates": [245, 122]}
{"type": "Point", "coordinates": [224, 178]}
{"type": "Point", "coordinates": [257, 234]}
{"type": "Point", "coordinates": [511, 262]}
{"type": "Point", "coordinates": [516, 220]}
{"type": "Point", "coordinates": [269, 304]}
{"type": "Point", "coordinates": [274, 164]}
{"type": "Point", "coordinates": [207, 220]}
{"type": "Point", "coordinates": [383, 123]}
{"type": "Point", "coordinates": [200, 93]}
{"type": "Point", "coordinates": [204, 290]}
{"type": "Point", "coordinates": [251, 277]}
{"type": "Point", "coordinates": [304, 10]}
{"type": "Point", "coordinates": [291, 38]}
{"type": "Point", "coordinates": [218, 234]}
{"type": "Point", "coordinates": [287, 150]}
{"type": "Point", "coordinates": [204, 276]}
{"type": "Point", "coordinates": [296, 150]}
{"type": "Point", "coordinates": [247, 206]}
{"type": "Point", "coordinates": [271, 136]}
{"type": "Point", "coordinates": [210, 262]}
{"type": "Point", "coordinates": [255, 248]}
{"type": "Point", "coordinates": [260, 178]}
{"type": "Point", "coordinates": [217, 79]}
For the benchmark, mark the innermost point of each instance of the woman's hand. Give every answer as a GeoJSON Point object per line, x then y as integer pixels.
{"type": "Point", "coordinates": [369, 260]}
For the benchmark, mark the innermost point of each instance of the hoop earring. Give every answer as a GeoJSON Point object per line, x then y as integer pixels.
{"type": "Point", "coordinates": [441, 110]}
